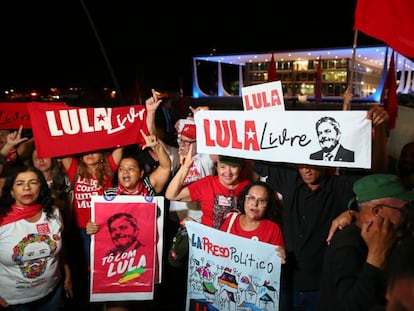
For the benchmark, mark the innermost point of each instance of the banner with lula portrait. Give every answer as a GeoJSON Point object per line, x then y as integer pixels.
{"type": "Point", "coordinates": [324, 138]}
{"type": "Point", "coordinates": [126, 252]}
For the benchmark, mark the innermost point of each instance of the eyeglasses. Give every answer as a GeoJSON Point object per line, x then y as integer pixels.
{"type": "Point", "coordinates": [253, 199]}
{"type": "Point", "coordinates": [185, 142]}
{"type": "Point", "coordinates": [402, 210]}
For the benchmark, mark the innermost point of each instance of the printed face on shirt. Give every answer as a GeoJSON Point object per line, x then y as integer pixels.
{"type": "Point", "coordinates": [227, 174]}
{"type": "Point", "coordinates": [129, 173]}
{"type": "Point", "coordinates": [26, 188]}
{"type": "Point", "coordinates": [255, 203]}
{"type": "Point", "coordinates": [32, 254]}
{"type": "Point", "coordinates": [43, 164]}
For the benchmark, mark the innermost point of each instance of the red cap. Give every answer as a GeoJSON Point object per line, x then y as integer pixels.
{"type": "Point", "coordinates": [189, 130]}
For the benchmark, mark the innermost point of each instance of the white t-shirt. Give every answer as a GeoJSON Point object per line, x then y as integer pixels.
{"type": "Point", "coordinates": [29, 258]}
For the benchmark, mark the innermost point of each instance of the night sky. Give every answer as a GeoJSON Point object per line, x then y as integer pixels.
{"type": "Point", "coordinates": [65, 43]}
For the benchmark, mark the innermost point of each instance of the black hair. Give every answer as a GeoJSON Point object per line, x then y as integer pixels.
{"type": "Point", "coordinates": [131, 219]}
{"type": "Point", "coordinates": [45, 196]}
{"type": "Point", "coordinates": [274, 206]}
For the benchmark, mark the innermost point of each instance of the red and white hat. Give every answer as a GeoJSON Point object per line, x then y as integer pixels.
{"type": "Point", "coordinates": [189, 130]}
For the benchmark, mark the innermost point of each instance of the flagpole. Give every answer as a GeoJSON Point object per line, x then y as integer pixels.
{"type": "Point", "coordinates": [347, 101]}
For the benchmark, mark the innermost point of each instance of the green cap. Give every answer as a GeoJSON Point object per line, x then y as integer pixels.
{"type": "Point", "coordinates": [378, 186]}
{"type": "Point", "coordinates": [231, 160]}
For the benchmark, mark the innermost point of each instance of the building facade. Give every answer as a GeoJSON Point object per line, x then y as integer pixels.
{"type": "Point", "coordinates": [363, 68]}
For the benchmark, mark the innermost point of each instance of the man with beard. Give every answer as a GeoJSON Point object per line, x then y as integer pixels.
{"type": "Point", "coordinates": [329, 134]}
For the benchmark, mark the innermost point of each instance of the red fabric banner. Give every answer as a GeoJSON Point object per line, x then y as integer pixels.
{"type": "Point", "coordinates": [318, 82]}
{"type": "Point", "coordinates": [272, 73]}
{"type": "Point", "coordinates": [12, 115]}
{"type": "Point", "coordinates": [389, 96]}
{"type": "Point", "coordinates": [388, 20]}
{"type": "Point", "coordinates": [61, 130]}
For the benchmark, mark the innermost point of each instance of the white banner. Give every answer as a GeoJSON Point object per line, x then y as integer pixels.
{"type": "Point", "coordinates": [285, 136]}
{"type": "Point", "coordinates": [228, 272]}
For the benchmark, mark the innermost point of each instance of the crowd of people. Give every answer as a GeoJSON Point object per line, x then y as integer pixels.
{"type": "Point", "coordinates": [337, 232]}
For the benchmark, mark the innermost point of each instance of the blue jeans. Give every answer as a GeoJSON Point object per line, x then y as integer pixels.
{"type": "Point", "coordinates": [51, 302]}
{"type": "Point", "coordinates": [305, 301]}
{"type": "Point", "coordinates": [86, 245]}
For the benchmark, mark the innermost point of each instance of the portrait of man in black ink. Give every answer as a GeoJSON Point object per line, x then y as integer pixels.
{"type": "Point", "coordinates": [123, 229]}
{"type": "Point", "coordinates": [329, 135]}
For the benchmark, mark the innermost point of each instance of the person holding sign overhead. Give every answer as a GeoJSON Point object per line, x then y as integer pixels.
{"type": "Point", "coordinates": [312, 199]}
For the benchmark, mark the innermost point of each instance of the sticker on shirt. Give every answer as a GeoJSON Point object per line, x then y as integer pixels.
{"type": "Point", "coordinates": [43, 228]}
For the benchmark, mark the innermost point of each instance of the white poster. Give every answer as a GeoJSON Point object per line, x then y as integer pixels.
{"type": "Point", "coordinates": [228, 272]}
{"type": "Point", "coordinates": [288, 136]}
{"type": "Point", "coordinates": [265, 96]}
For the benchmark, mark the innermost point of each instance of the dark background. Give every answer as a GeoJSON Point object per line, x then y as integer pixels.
{"type": "Point", "coordinates": [65, 43]}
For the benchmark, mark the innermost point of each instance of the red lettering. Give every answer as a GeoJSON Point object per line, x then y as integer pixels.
{"type": "Point", "coordinates": [209, 141]}
{"type": "Point", "coordinates": [235, 142]}
{"type": "Point", "coordinates": [276, 98]}
{"type": "Point", "coordinates": [251, 143]}
{"type": "Point", "coordinates": [222, 133]}
{"type": "Point", "coordinates": [246, 100]}
{"type": "Point", "coordinates": [227, 136]}
{"type": "Point", "coordinates": [265, 102]}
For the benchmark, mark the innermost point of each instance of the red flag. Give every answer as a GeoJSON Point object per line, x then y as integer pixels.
{"type": "Point", "coordinates": [318, 82]}
{"type": "Point", "coordinates": [390, 21]}
{"type": "Point", "coordinates": [272, 73]}
{"type": "Point", "coordinates": [60, 130]}
{"type": "Point", "coordinates": [389, 93]}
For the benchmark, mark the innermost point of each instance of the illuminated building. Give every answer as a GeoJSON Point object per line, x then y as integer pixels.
{"type": "Point", "coordinates": [227, 74]}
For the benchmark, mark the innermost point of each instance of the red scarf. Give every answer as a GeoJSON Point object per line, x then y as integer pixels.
{"type": "Point", "coordinates": [20, 212]}
{"type": "Point", "coordinates": [122, 190]}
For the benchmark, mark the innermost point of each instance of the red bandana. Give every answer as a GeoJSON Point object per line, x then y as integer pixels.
{"type": "Point", "coordinates": [122, 190]}
{"type": "Point", "coordinates": [20, 212]}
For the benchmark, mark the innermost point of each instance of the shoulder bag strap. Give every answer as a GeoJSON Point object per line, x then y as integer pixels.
{"type": "Point", "coordinates": [233, 218]}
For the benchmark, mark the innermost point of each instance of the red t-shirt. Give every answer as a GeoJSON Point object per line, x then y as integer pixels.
{"type": "Point", "coordinates": [84, 189]}
{"type": "Point", "coordinates": [267, 231]}
{"type": "Point", "coordinates": [215, 199]}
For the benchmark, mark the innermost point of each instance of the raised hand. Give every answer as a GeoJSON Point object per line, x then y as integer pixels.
{"type": "Point", "coordinates": [150, 140]}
